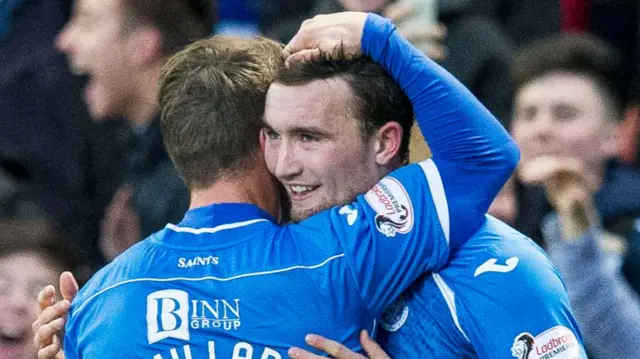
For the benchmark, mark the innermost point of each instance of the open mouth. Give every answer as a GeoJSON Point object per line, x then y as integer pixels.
{"type": "Point", "coordinates": [300, 192]}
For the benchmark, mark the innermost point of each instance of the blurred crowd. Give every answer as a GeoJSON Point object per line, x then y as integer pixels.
{"type": "Point", "coordinates": [84, 174]}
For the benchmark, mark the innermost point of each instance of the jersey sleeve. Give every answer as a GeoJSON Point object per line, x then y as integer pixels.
{"type": "Point", "coordinates": [513, 306]}
{"type": "Point", "coordinates": [392, 234]}
{"type": "Point", "coordinates": [474, 154]}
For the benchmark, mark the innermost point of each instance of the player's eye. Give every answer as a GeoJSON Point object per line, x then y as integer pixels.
{"type": "Point", "coordinates": [271, 134]}
{"type": "Point", "coordinates": [305, 137]}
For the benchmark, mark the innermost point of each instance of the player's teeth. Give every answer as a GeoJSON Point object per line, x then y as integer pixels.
{"type": "Point", "coordinates": [301, 189]}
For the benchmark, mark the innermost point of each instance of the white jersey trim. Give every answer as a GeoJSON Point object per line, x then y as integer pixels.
{"type": "Point", "coordinates": [253, 274]}
{"type": "Point", "coordinates": [436, 187]}
{"type": "Point", "coordinates": [450, 298]}
{"type": "Point", "coordinates": [215, 229]}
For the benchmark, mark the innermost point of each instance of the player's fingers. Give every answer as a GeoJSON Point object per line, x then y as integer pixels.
{"type": "Point", "coordinates": [44, 336]}
{"type": "Point", "coordinates": [373, 349]}
{"type": "Point", "coordinates": [298, 42]}
{"type": "Point", "coordinates": [50, 351]}
{"type": "Point", "coordinates": [396, 12]}
{"type": "Point", "coordinates": [298, 353]}
{"type": "Point", "coordinates": [50, 314]}
{"type": "Point", "coordinates": [331, 347]}
{"type": "Point", "coordinates": [302, 56]}
{"type": "Point", "coordinates": [68, 286]}
{"type": "Point", "coordinates": [46, 297]}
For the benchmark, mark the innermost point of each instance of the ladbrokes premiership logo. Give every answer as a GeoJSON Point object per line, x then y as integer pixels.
{"type": "Point", "coordinates": [172, 314]}
{"type": "Point", "coordinates": [557, 343]}
{"type": "Point", "coordinates": [394, 210]}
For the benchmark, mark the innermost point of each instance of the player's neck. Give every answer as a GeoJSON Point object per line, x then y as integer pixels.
{"type": "Point", "coordinates": [256, 187]}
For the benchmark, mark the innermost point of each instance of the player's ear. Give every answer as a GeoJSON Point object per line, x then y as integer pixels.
{"type": "Point", "coordinates": [262, 139]}
{"type": "Point", "coordinates": [388, 139]}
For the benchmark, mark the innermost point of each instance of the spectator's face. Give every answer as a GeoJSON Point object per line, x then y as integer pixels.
{"type": "Point", "coordinates": [22, 276]}
{"type": "Point", "coordinates": [315, 148]}
{"type": "Point", "coordinates": [563, 114]}
{"type": "Point", "coordinates": [96, 46]}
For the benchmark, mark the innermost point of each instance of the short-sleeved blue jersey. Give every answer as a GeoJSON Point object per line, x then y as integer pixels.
{"type": "Point", "coordinates": [228, 282]}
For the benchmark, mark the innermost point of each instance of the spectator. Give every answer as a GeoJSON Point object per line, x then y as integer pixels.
{"type": "Point", "coordinates": [40, 110]}
{"type": "Point", "coordinates": [32, 255]}
{"type": "Point", "coordinates": [567, 107]}
{"type": "Point", "coordinates": [121, 45]}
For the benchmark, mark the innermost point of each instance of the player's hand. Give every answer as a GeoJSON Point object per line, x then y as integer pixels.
{"type": "Point", "coordinates": [47, 329]}
{"type": "Point", "coordinates": [337, 350]}
{"type": "Point", "coordinates": [429, 40]}
{"type": "Point", "coordinates": [121, 225]}
{"type": "Point", "coordinates": [567, 189]}
{"type": "Point", "coordinates": [325, 33]}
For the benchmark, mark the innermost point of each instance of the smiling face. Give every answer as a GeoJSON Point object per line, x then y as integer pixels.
{"type": "Point", "coordinates": [315, 148]}
{"type": "Point", "coordinates": [22, 276]}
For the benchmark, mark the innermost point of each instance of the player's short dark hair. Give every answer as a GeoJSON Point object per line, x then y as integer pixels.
{"type": "Point", "coordinates": [180, 22]}
{"type": "Point", "coordinates": [40, 237]}
{"type": "Point", "coordinates": [377, 98]}
{"type": "Point", "coordinates": [212, 97]}
{"type": "Point", "coordinates": [579, 54]}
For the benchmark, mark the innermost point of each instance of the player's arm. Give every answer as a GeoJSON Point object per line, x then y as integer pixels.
{"type": "Point", "coordinates": [473, 153]}
{"type": "Point", "coordinates": [402, 227]}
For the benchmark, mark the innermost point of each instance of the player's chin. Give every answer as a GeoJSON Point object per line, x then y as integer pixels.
{"type": "Point", "coordinates": [301, 212]}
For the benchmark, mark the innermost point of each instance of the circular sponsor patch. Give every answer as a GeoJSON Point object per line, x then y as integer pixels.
{"type": "Point", "coordinates": [392, 205]}
{"type": "Point", "coordinates": [395, 316]}
{"type": "Point", "coordinates": [557, 343]}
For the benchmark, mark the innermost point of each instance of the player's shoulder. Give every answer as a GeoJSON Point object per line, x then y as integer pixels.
{"type": "Point", "coordinates": [126, 267]}
{"type": "Point", "coordinates": [497, 255]}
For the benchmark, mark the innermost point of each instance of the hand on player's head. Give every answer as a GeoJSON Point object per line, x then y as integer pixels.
{"type": "Point", "coordinates": [324, 34]}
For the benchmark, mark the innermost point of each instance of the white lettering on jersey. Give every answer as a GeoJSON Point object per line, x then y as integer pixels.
{"type": "Point", "coordinates": [167, 312]}
{"type": "Point", "coordinates": [244, 347]}
{"type": "Point", "coordinates": [171, 314]}
{"type": "Point", "coordinates": [491, 266]}
{"type": "Point", "coordinates": [392, 205]}
{"type": "Point", "coordinates": [198, 261]}
{"type": "Point", "coordinates": [557, 343]}
{"type": "Point", "coordinates": [242, 350]}
{"type": "Point", "coordinates": [352, 214]}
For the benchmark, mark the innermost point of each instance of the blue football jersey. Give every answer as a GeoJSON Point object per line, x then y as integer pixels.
{"type": "Point", "coordinates": [500, 297]}
{"type": "Point", "coordinates": [228, 282]}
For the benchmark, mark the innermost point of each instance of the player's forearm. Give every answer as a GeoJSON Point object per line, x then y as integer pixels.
{"type": "Point", "coordinates": [479, 154]}
{"type": "Point", "coordinates": [455, 124]}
